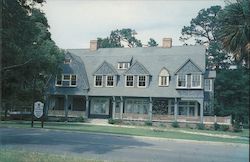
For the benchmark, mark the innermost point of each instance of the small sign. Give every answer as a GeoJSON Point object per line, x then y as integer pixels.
{"type": "Point", "coordinates": [38, 109]}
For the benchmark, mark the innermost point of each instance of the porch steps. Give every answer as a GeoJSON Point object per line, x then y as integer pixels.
{"type": "Point", "coordinates": [98, 121]}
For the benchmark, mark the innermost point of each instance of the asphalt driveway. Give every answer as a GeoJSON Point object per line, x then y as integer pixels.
{"type": "Point", "coordinates": [121, 148]}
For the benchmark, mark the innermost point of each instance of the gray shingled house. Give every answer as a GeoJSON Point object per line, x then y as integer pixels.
{"type": "Point", "coordinates": [165, 83]}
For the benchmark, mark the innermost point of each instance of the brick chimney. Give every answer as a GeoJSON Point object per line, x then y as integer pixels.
{"type": "Point", "coordinates": [167, 42]}
{"type": "Point", "coordinates": [93, 45]}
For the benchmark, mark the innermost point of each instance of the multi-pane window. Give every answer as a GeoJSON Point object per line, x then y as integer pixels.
{"type": "Point", "coordinates": [141, 81]}
{"type": "Point", "coordinates": [73, 80]}
{"type": "Point", "coordinates": [196, 80]}
{"type": "Point", "coordinates": [110, 81]}
{"type": "Point", "coordinates": [208, 85]}
{"type": "Point", "coordinates": [98, 80]}
{"type": "Point", "coordinates": [129, 81]}
{"type": "Point", "coordinates": [136, 106]}
{"type": "Point", "coordinates": [58, 80]}
{"type": "Point", "coordinates": [67, 61]}
{"type": "Point", "coordinates": [164, 78]}
{"type": "Point", "coordinates": [123, 65]}
{"type": "Point", "coordinates": [66, 80]}
{"type": "Point", "coordinates": [182, 81]}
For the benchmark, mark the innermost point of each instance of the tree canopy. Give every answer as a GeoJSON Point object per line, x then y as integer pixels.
{"type": "Point", "coordinates": [28, 52]}
{"type": "Point", "coordinates": [225, 31]}
{"type": "Point", "coordinates": [234, 30]}
{"type": "Point", "coordinates": [118, 38]}
{"type": "Point", "coordinates": [202, 30]}
{"type": "Point", "coordinates": [152, 43]}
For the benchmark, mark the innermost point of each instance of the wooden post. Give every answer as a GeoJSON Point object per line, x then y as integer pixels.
{"type": "Point", "coordinates": [66, 107]}
{"type": "Point", "coordinates": [121, 107]}
{"type": "Point", "coordinates": [150, 108]}
{"type": "Point", "coordinates": [113, 107]}
{"type": "Point", "coordinates": [201, 111]}
{"type": "Point", "coordinates": [33, 102]}
{"type": "Point", "coordinates": [175, 108]}
{"type": "Point", "coordinates": [87, 107]}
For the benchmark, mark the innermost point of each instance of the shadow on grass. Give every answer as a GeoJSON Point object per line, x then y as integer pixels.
{"type": "Point", "coordinates": [71, 142]}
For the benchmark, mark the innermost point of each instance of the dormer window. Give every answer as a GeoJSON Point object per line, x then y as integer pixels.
{"type": "Point", "coordinates": [195, 81]}
{"type": "Point", "coordinates": [123, 65]}
{"type": "Point", "coordinates": [109, 81]}
{"type": "Point", "coordinates": [181, 81]}
{"type": "Point", "coordinates": [164, 77]}
{"type": "Point", "coordinates": [141, 81]}
{"type": "Point", "coordinates": [59, 80]}
{"type": "Point", "coordinates": [67, 61]}
{"type": "Point", "coordinates": [98, 80]}
{"type": "Point", "coordinates": [66, 80]}
{"type": "Point", "coordinates": [129, 82]}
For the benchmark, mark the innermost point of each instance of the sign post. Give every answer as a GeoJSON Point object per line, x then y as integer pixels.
{"type": "Point", "coordinates": [38, 111]}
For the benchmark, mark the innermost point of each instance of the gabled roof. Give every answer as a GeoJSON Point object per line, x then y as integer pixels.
{"type": "Point", "coordinates": [105, 69]}
{"type": "Point", "coordinates": [189, 61]}
{"type": "Point", "coordinates": [137, 69]}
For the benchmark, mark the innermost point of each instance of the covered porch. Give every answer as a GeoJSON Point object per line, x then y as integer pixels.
{"type": "Point", "coordinates": [66, 106]}
{"type": "Point", "coordinates": [157, 109]}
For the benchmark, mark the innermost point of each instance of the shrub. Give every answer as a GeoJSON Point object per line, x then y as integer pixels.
{"type": "Point", "coordinates": [200, 126]}
{"type": "Point", "coordinates": [175, 124]}
{"type": "Point", "coordinates": [224, 127]}
{"type": "Point", "coordinates": [216, 126]}
{"type": "Point", "coordinates": [236, 127]}
{"type": "Point", "coordinates": [148, 123]}
{"type": "Point", "coordinates": [162, 125]}
{"type": "Point", "coordinates": [114, 121]}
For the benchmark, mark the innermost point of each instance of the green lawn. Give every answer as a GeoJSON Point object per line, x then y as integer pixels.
{"type": "Point", "coordinates": [173, 133]}
{"type": "Point", "coordinates": [12, 155]}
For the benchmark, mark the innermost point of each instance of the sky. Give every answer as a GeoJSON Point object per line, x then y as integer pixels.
{"type": "Point", "coordinates": [73, 23]}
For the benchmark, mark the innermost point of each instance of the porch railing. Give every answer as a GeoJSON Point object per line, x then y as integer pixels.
{"type": "Point", "coordinates": [131, 116]}
{"type": "Point", "coordinates": [61, 113]}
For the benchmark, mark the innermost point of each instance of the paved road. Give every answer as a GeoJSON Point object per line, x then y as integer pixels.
{"type": "Point", "coordinates": [121, 148]}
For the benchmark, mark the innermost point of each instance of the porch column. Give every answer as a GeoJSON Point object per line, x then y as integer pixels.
{"type": "Point", "coordinates": [188, 111]}
{"type": "Point", "coordinates": [150, 109]}
{"type": "Point", "coordinates": [121, 107]}
{"type": "Point", "coordinates": [169, 107]}
{"type": "Point", "coordinates": [66, 107]}
{"type": "Point", "coordinates": [113, 107]}
{"type": "Point", "coordinates": [175, 108]}
{"type": "Point", "coordinates": [201, 111]}
{"type": "Point", "coordinates": [46, 110]}
{"type": "Point", "coordinates": [87, 107]}
{"type": "Point", "coordinates": [196, 109]}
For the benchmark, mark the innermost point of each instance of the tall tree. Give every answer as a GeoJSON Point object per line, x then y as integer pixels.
{"type": "Point", "coordinates": [234, 30]}
{"type": "Point", "coordinates": [202, 30]}
{"type": "Point", "coordinates": [28, 53]}
{"type": "Point", "coordinates": [232, 94]}
{"type": "Point", "coordinates": [119, 38]}
{"type": "Point", "coordinates": [152, 43]}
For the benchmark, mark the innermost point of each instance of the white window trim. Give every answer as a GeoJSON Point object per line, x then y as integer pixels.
{"type": "Point", "coordinates": [95, 81]}
{"type": "Point", "coordinates": [177, 79]}
{"type": "Point", "coordinates": [107, 80]}
{"type": "Point", "coordinates": [146, 79]}
{"type": "Point", "coordinates": [71, 80]}
{"type": "Point", "coordinates": [192, 81]}
{"type": "Point", "coordinates": [59, 85]}
{"type": "Point", "coordinates": [210, 89]}
{"type": "Point", "coordinates": [126, 80]}
{"type": "Point", "coordinates": [160, 77]}
{"type": "Point", "coordinates": [67, 62]}
{"type": "Point", "coordinates": [123, 65]}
